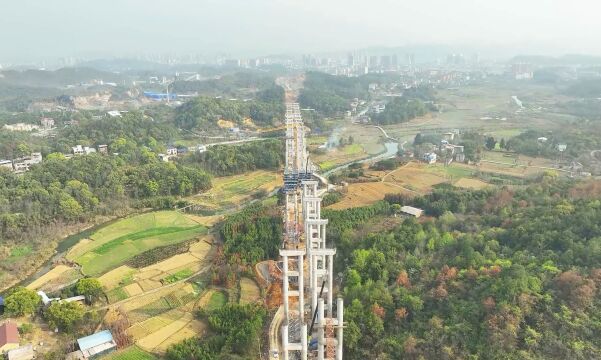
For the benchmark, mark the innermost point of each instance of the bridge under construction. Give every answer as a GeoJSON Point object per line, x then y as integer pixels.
{"type": "Point", "coordinates": [312, 324]}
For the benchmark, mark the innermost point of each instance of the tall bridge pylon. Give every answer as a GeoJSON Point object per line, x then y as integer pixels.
{"type": "Point", "coordinates": [313, 323]}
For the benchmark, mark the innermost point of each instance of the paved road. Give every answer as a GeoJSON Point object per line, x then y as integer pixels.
{"type": "Point", "coordinates": [274, 331]}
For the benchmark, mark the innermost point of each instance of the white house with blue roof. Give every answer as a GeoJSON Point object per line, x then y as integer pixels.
{"type": "Point", "coordinates": [95, 345]}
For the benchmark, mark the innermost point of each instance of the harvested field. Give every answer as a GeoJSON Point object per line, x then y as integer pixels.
{"type": "Point", "coordinates": [231, 191]}
{"type": "Point", "coordinates": [116, 243]}
{"type": "Point", "coordinates": [78, 249]}
{"type": "Point", "coordinates": [147, 285]}
{"type": "Point", "coordinates": [114, 277]}
{"type": "Point", "coordinates": [145, 300]}
{"type": "Point", "coordinates": [468, 183]}
{"type": "Point", "coordinates": [152, 341]}
{"type": "Point", "coordinates": [56, 273]}
{"type": "Point", "coordinates": [339, 156]}
{"type": "Point", "coordinates": [416, 176]}
{"type": "Point", "coordinates": [249, 291]}
{"type": "Point", "coordinates": [149, 274]}
{"type": "Point", "coordinates": [206, 220]}
{"type": "Point", "coordinates": [363, 194]}
{"type": "Point", "coordinates": [193, 329]}
{"type": "Point", "coordinates": [133, 289]}
{"type": "Point", "coordinates": [202, 247]}
{"type": "Point", "coordinates": [170, 264]}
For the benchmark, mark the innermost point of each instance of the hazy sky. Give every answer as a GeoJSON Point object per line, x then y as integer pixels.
{"type": "Point", "coordinates": [33, 29]}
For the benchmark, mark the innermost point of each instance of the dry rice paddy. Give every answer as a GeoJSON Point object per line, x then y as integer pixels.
{"type": "Point", "coordinates": [468, 183]}
{"type": "Point", "coordinates": [51, 276]}
{"type": "Point", "coordinates": [249, 291]}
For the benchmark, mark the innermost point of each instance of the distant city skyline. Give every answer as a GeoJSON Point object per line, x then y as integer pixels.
{"type": "Point", "coordinates": [33, 30]}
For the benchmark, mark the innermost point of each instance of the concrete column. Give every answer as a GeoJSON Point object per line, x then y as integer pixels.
{"type": "Point", "coordinates": [285, 341]}
{"type": "Point", "coordinates": [285, 284]}
{"type": "Point", "coordinates": [315, 289]}
{"type": "Point", "coordinates": [321, 341]}
{"type": "Point", "coordinates": [301, 288]}
{"type": "Point", "coordinates": [318, 210]}
{"type": "Point", "coordinates": [304, 344]}
{"type": "Point", "coordinates": [322, 234]}
{"type": "Point", "coordinates": [340, 313]}
{"type": "Point", "coordinates": [330, 283]}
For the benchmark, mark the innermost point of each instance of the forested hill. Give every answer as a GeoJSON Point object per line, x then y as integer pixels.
{"type": "Point", "coordinates": [496, 274]}
{"type": "Point", "coordinates": [202, 112]}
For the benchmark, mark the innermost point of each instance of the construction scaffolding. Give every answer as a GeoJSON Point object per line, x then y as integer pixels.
{"type": "Point", "coordinates": [310, 329]}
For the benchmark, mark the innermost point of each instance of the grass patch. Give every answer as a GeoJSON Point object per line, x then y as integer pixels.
{"type": "Point", "coordinates": [352, 149]}
{"type": "Point", "coordinates": [316, 140]}
{"type": "Point", "coordinates": [18, 252]}
{"type": "Point", "coordinates": [217, 300]}
{"type": "Point", "coordinates": [327, 165]}
{"type": "Point", "coordinates": [180, 275]}
{"type": "Point", "coordinates": [116, 294]}
{"type": "Point", "coordinates": [109, 246]}
{"type": "Point", "coordinates": [117, 243]}
{"type": "Point", "coordinates": [271, 201]}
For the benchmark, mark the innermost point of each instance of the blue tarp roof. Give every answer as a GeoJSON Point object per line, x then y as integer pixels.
{"type": "Point", "coordinates": [1, 301]}
{"type": "Point", "coordinates": [94, 340]}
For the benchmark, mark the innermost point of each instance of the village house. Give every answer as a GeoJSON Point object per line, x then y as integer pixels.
{"type": "Point", "coordinates": [9, 337]}
{"type": "Point", "coordinates": [78, 150]}
{"type": "Point", "coordinates": [96, 345]}
{"type": "Point", "coordinates": [21, 353]}
{"type": "Point", "coordinates": [412, 211]}
{"type": "Point", "coordinates": [171, 151]}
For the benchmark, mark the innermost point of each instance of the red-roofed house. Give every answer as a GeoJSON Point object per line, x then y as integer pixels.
{"type": "Point", "coordinates": [9, 337]}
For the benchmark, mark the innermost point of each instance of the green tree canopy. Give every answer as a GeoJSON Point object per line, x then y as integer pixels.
{"type": "Point", "coordinates": [22, 301]}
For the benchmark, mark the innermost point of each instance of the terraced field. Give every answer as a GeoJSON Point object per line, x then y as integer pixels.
{"type": "Point", "coordinates": [113, 245]}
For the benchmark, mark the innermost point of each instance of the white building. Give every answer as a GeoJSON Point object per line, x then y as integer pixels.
{"type": "Point", "coordinates": [430, 158]}
{"type": "Point", "coordinates": [413, 211]}
{"type": "Point", "coordinates": [171, 151]}
{"type": "Point", "coordinates": [88, 150]}
{"type": "Point", "coordinates": [114, 113]}
{"type": "Point", "coordinates": [78, 150]}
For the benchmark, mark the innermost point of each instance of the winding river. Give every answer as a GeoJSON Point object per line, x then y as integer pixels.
{"type": "Point", "coordinates": [391, 150]}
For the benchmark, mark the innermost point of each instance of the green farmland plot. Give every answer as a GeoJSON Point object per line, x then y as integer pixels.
{"type": "Point", "coordinates": [131, 353]}
{"type": "Point", "coordinates": [119, 242]}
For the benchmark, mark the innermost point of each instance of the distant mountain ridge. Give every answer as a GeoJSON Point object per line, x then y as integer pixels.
{"type": "Point", "coordinates": [58, 78]}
